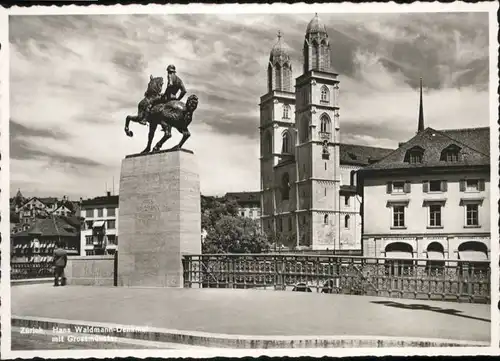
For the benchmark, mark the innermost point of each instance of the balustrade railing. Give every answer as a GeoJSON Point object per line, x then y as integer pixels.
{"type": "Point", "coordinates": [450, 280]}
{"type": "Point", "coordinates": [28, 270]}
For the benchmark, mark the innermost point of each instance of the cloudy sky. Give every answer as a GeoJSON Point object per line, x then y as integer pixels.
{"type": "Point", "coordinates": [75, 78]}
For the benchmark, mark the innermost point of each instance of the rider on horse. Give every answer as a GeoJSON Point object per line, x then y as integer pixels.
{"type": "Point", "coordinates": [174, 85]}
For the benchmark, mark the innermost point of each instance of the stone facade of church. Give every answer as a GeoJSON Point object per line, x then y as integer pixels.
{"type": "Point", "coordinates": [308, 190]}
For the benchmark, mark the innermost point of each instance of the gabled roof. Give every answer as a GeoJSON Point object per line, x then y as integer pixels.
{"type": "Point", "coordinates": [361, 154]}
{"type": "Point", "coordinates": [473, 144]}
{"type": "Point", "coordinates": [48, 200]}
{"type": "Point", "coordinates": [49, 227]}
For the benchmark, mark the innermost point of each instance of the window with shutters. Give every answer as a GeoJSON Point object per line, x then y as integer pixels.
{"type": "Point", "coordinates": [435, 186]}
{"type": "Point", "coordinates": [472, 185]}
{"type": "Point", "coordinates": [398, 187]}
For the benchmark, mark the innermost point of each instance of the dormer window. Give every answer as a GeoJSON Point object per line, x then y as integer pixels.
{"type": "Point", "coordinates": [450, 154]}
{"type": "Point", "coordinates": [414, 155]}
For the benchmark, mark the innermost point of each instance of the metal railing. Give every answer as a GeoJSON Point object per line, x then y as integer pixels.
{"type": "Point", "coordinates": [29, 270]}
{"type": "Point", "coordinates": [450, 280]}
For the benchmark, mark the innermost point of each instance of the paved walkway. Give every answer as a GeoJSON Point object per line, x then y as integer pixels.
{"type": "Point", "coordinates": [252, 312]}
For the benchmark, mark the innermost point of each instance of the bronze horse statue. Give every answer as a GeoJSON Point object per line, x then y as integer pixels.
{"type": "Point", "coordinates": [153, 110]}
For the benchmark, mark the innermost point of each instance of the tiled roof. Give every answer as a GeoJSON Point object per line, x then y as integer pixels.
{"type": "Point", "coordinates": [361, 154]}
{"type": "Point", "coordinates": [475, 138]}
{"type": "Point", "coordinates": [48, 200]}
{"type": "Point", "coordinates": [244, 197]}
{"type": "Point", "coordinates": [100, 201]}
{"type": "Point", "coordinates": [49, 227]}
{"type": "Point", "coordinates": [473, 144]}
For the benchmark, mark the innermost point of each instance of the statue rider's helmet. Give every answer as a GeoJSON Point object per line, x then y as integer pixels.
{"type": "Point", "coordinates": [171, 68]}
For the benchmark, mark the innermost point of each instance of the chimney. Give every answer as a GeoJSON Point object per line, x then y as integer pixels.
{"type": "Point", "coordinates": [108, 193]}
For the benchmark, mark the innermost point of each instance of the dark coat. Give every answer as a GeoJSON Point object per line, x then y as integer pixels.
{"type": "Point", "coordinates": [60, 257]}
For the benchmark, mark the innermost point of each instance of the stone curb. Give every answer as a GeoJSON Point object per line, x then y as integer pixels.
{"type": "Point", "coordinates": [31, 281]}
{"type": "Point", "coordinates": [217, 340]}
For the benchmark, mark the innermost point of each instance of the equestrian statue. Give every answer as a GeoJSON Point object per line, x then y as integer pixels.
{"type": "Point", "coordinates": [165, 110]}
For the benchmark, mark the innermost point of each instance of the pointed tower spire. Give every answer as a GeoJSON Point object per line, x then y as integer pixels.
{"type": "Point", "coordinates": [421, 111]}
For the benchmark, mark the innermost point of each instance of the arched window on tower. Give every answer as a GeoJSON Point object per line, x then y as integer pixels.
{"type": "Point", "coordinates": [346, 221]}
{"type": "Point", "coordinates": [325, 219]}
{"type": "Point", "coordinates": [304, 130]}
{"type": "Point", "coordinates": [277, 71]}
{"type": "Point", "coordinates": [305, 54]}
{"type": "Point", "coordinates": [325, 94]}
{"type": "Point", "coordinates": [315, 55]}
{"type": "Point", "coordinates": [285, 187]}
{"type": "Point", "coordinates": [286, 111]}
{"type": "Point", "coordinates": [287, 143]}
{"type": "Point", "coordinates": [323, 64]}
{"type": "Point", "coordinates": [325, 124]}
{"type": "Point", "coordinates": [268, 143]}
{"type": "Point", "coordinates": [269, 78]}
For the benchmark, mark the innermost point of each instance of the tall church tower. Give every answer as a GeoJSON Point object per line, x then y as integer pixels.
{"type": "Point", "coordinates": [318, 166]}
{"type": "Point", "coordinates": [277, 132]}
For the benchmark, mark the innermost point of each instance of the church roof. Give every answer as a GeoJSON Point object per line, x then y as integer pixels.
{"type": "Point", "coordinates": [361, 154]}
{"type": "Point", "coordinates": [472, 145]}
{"type": "Point", "coordinates": [280, 50]}
{"type": "Point", "coordinates": [315, 26]}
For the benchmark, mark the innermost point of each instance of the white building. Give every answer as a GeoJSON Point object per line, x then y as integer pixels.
{"type": "Point", "coordinates": [99, 234]}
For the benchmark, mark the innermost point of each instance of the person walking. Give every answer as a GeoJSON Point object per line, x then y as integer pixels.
{"type": "Point", "coordinates": [60, 260]}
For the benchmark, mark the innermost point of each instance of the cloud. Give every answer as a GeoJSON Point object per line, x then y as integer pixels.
{"type": "Point", "coordinates": [75, 78]}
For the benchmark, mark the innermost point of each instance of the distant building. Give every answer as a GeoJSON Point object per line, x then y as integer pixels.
{"type": "Point", "coordinates": [26, 211]}
{"type": "Point", "coordinates": [430, 198]}
{"type": "Point", "coordinates": [249, 203]}
{"type": "Point", "coordinates": [99, 233]}
{"type": "Point", "coordinates": [37, 243]}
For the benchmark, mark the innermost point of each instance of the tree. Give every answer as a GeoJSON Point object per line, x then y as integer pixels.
{"type": "Point", "coordinates": [234, 234]}
{"type": "Point", "coordinates": [212, 209]}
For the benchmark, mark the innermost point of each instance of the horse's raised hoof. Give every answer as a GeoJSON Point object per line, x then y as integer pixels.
{"type": "Point", "coordinates": [129, 132]}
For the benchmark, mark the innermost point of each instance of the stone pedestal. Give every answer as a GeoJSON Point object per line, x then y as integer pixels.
{"type": "Point", "coordinates": [159, 218]}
